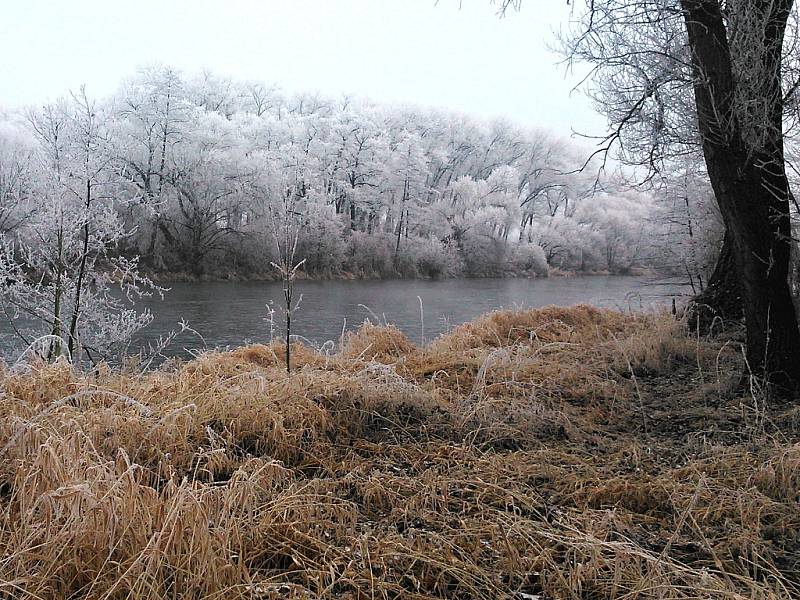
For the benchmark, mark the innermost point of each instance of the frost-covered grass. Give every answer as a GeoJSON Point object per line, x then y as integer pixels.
{"type": "Point", "coordinates": [550, 453]}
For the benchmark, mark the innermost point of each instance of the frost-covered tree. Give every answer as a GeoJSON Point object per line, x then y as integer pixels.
{"type": "Point", "coordinates": [16, 175]}
{"type": "Point", "coordinates": [147, 119]}
{"type": "Point", "coordinates": [284, 195]}
{"type": "Point", "coordinates": [391, 191]}
{"type": "Point", "coordinates": [60, 265]}
{"type": "Point", "coordinates": [692, 229]}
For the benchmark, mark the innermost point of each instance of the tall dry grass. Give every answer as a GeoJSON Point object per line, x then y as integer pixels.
{"type": "Point", "coordinates": [552, 453]}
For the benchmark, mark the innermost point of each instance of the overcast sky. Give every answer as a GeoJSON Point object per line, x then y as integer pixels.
{"type": "Point", "coordinates": [408, 51]}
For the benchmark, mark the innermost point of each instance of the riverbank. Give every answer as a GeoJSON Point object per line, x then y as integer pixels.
{"type": "Point", "coordinates": [167, 277]}
{"type": "Point", "coordinates": [548, 453]}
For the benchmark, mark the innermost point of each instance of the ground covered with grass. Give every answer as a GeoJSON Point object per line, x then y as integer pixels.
{"type": "Point", "coordinates": [552, 453]}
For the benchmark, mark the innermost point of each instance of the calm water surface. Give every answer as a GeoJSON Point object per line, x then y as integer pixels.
{"type": "Point", "coordinates": [228, 314]}
{"type": "Point", "coordinates": [234, 313]}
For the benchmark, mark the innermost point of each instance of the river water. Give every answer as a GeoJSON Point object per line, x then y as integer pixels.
{"type": "Point", "coordinates": [229, 314]}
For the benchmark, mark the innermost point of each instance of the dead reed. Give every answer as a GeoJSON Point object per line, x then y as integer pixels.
{"type": "Point", "coordinates": [554, 453]}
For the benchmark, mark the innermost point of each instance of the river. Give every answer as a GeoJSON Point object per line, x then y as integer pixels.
{"type": "Point", "coordinates": [229, 314]}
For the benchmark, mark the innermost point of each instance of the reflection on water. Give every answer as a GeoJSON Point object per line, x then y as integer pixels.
{"type": "Point", "coordinates": [232, 313]}
{"type": "Point", "coordinates": [229, 314]}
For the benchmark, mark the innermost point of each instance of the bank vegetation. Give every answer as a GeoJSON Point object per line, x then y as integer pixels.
{"type": "Point", "coordinates": [549, 453]}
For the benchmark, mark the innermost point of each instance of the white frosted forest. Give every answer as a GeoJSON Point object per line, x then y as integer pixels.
{"type": "Point", "coordinates": [181, 176]}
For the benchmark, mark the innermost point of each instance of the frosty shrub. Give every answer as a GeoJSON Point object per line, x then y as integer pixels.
{"type": "Point", "coordinates": [85, 298]}
{"type": "Point", "coordinates": [425, 258]}
{"type": "Point", "coordinates": [321, 242]}
{"type": "Point", "coordinates": [529, 258]}
{"type": "Point", "coordinates": [483, 256]}
{"type": "Point", "coordinates": [405, 262]}
{"type": "Point", "coordinates": [434, 259]}
{"type": "Point", "coordinates": [369, 255]}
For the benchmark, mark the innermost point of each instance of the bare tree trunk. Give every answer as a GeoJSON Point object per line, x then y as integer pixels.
{"type": "Point", "coordinates": [761, 254]}
{"type": "Point", "coordinates": [76, 309]}
{"type": "Point", "coordinates": [750, 184]}
{"type": "Point", "coordinates": [56, 331]}
{"type": "Point", "coordinates": [721, 299]}
{"type": "Point", "coordinates": [403, 212]}
{"type": "Point", "coordinates": [288, 297]}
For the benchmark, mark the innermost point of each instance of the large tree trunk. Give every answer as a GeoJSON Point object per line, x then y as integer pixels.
{"type": "Point", "coordinates": [720, 303]}
{"type": "Point", "coordinates": [746, 166]}
{"type": "Point", "coordinates": [759, 224]}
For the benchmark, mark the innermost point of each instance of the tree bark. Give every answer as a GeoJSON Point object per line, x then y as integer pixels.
{"type": "Point", "coordinates": [720, 303]}
{"type": "Point", "coordinates": [76, 309]}
{"type": "Point", "coordinates": [749, 181]}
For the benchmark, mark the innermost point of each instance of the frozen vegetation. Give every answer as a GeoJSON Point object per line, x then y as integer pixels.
{"type": "Point", "coordinates": [553, 453]}
{"type": "Point", "coordinates": [183, 172]}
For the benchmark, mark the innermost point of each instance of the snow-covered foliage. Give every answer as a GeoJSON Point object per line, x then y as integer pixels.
{"type": "Point", "coordinates": [692, 226]}
{"type": "Point", "coordinates": [61, 272]}
{"type": "Point", "coordinates": [184, 164]}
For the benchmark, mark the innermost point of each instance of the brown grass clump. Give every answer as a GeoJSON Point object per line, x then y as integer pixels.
{"type": "Point", "coordinates": [261, 355]}
{"type": "Point", "coordinates": [547, 325]}
{"type": "Point", "coordinates": [554, 453]}
{"type": "Point", "coordinates": [382, 344]}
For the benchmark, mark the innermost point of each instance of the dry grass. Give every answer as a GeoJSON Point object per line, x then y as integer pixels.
{"type": "Point", "coordinates": [553, 453]}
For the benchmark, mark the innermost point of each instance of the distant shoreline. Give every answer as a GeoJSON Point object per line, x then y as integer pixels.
{"type": "Point", "coordinates": [186, 277]}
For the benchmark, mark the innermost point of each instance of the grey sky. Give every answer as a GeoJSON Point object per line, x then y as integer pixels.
{"type": "Point", "coordinates": [410, 51]}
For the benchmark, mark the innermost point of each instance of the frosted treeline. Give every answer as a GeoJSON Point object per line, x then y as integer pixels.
{"type": "Point", "coordinates": [187, 168]}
